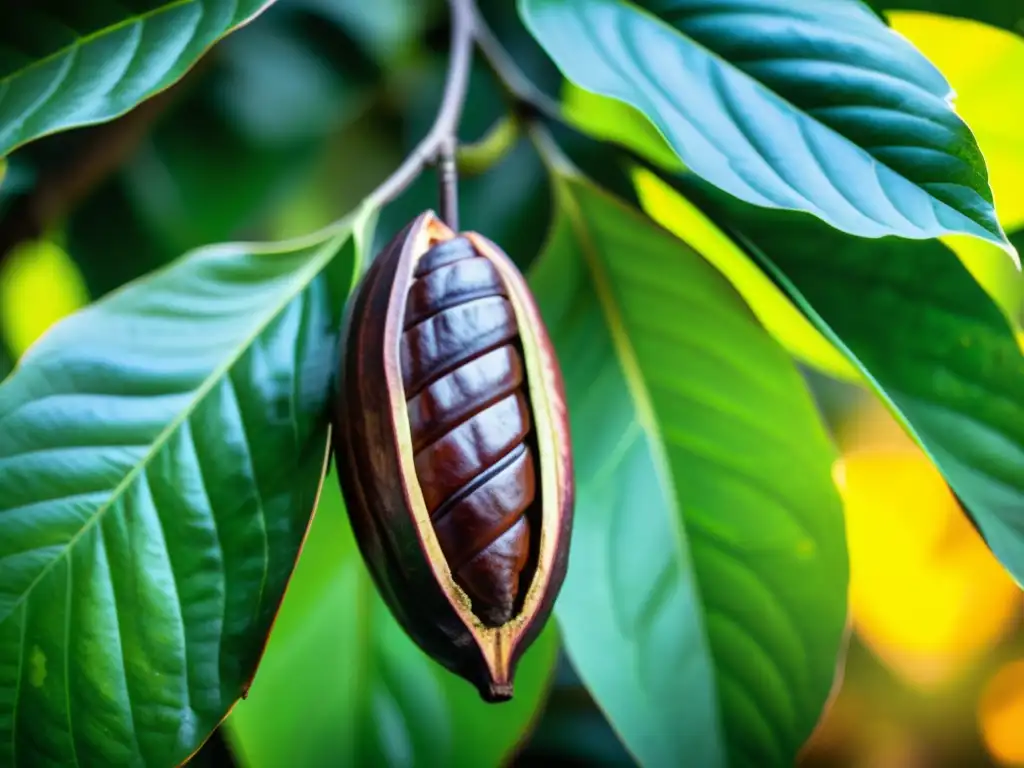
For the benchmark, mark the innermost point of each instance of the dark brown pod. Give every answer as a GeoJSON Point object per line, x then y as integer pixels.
{"type": "Point", "coordinates": [453, 451]}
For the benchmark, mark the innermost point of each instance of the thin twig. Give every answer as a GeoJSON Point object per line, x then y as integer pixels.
{"type": "Point", "coordinates": [527, 97]}
{"type": "Point", "coordinates": [443, 132]}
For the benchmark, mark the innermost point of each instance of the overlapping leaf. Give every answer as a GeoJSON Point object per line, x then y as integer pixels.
{"type": "Point", "coordinates": [65, 63]}
{"type": "Point", "coordinates": [814, 106]}
{"type": "Point", "coordinates": [705, 601]}
{"type": "Point", "coordinates": [160, 453]}
{"type": "Point", "coordinates": [343, 685]}
{"type": "Point", "coordinates": [773, 308]}
{"type": "Point", "coordinates": [928, 337]}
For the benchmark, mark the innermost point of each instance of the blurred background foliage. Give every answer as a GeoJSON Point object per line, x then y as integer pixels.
{"type": "Point", "coordinates": [286, 124]}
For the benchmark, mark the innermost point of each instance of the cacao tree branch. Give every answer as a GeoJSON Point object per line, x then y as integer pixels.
{"type": "Point", "coordinates": [528, 101]}
{"type": "Point", "coordinates": [443, 134]}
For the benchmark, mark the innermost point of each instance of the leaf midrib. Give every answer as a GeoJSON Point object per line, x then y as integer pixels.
{"type": "Point", "coordinates": [725, 63]}
{"type": "Point", "coordinates": [300, 282]}
{"type": "Point", "coordinates": [630, 367]}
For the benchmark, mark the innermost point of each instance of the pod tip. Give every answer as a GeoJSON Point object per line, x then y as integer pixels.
{"type": "Point", "coordinates": [494, 693]}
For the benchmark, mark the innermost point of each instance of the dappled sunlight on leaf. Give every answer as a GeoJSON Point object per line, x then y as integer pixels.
{"type": "Point", "coordinates": [776, 312]}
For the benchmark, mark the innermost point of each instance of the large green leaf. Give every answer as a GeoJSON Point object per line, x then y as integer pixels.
{"type": "Point", "coordinates": [160, 453]}
{"type": "Point", "coordinates": [934, 345]}
{"type": "Point", "coordinates": [705, 603]}
{"type": "Point", "coordinates": [65, 63]}
{"type": "Point", "coordinates": [343, 685]}
{"type": "Point", "coordinates": [813, 105]}
{"type": "Point", "coordinates": [1007, 14]}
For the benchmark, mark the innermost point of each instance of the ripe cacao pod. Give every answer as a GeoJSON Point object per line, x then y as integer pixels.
{"type": "Point", "coordinates": [453, 451]}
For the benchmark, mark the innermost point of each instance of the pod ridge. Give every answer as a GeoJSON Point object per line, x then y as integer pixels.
{"type": "Point", "coordinates": [470, 422]}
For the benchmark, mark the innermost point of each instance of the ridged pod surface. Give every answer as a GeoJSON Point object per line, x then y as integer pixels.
{"type": "Point", "coordinates": [453, 449]}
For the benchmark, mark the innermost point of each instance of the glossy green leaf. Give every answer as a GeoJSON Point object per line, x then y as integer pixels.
{"type": "Point", "coordinates": [934, 345]}
{"type": "Point", "coordinates": [985, 67]}
{"type": "Point", "coordinates": [814, 106]}
{"type": "Point", "coordinates": [343, 685]}
{"type": "Point", "coordinates": [160, 453]}
{"type": "Point", "coordinates": [1008, 14]}
{"type": "Point", "coordinates": [706, 597]}
{"type": "Point", "coordinates": [774, 310]}
{"type": "Point", "coordinates": [65, 63]}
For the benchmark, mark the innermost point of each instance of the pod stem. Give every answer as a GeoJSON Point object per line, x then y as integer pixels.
{"type": "Point", "coordinates": [448, 184]}
{"type": "Point", "coordinates": [443, 137]}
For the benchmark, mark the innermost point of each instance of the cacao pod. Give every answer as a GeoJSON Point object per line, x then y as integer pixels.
{"type": "Point", "coordinates": [453, 451]}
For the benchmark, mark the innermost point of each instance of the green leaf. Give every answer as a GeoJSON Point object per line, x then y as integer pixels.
{"type": "Point", "coordinates": [706, 597]}
{"type": "Point", "coordinates": [933, 344]}
{"type": "Point", "coordinates": [773, 308]}
{"type": "Point", "coordinates": [66, 64]}
{"type": "Point", "coordinates": [1007, 14]}
{"type": "Point", "coordinates": [610, 120]}
{"type": "Point", "coordinates": [814, 106]}
{"type": "Point", "coordinates": [160, 454]}
{"type": "Point", "coordinates": [343, 685]}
